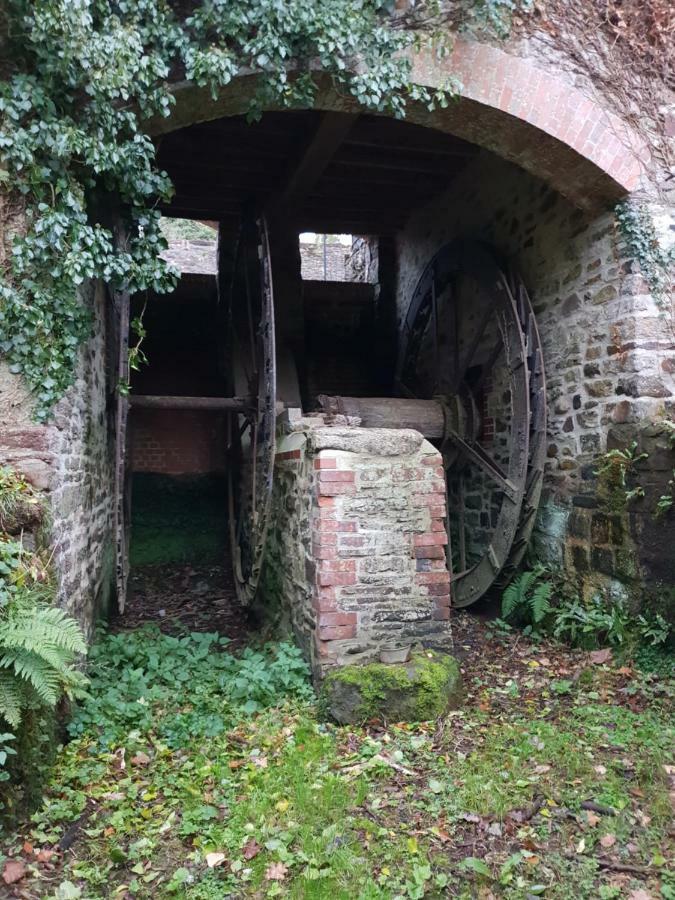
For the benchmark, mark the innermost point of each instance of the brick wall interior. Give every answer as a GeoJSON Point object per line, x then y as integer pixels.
{"type": "Point", "coordinates": [183, 348]}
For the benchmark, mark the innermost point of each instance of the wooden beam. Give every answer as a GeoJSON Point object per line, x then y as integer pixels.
{"type": "Point", "coordinates": [217, 404]}
{"type": "Point", "coordinates": [333, 129]}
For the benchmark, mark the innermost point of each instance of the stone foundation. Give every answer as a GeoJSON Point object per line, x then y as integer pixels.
{"type": "Point", "coordinates": [356, 549]}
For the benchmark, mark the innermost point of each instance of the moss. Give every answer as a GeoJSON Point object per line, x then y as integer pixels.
{"type": "Point", "coordinates": [180, 519]}
{"type": "Point", "coordinates": [421, 689]}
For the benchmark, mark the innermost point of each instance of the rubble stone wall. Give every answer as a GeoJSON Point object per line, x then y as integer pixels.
{"type": "Point", "coordinates": [71, 460]}
{"type": "Point", "coordinates": [609, 353]}
{"type": "Point", "coordinates": [356, 552]}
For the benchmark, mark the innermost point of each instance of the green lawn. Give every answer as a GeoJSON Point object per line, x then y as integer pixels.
{"type": "Point", "coordinates": [195, 774]}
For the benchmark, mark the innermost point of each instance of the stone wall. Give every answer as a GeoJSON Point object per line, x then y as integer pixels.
{"type": "Point", "coordinates": [609, 352]}
{"type": "Point", "coordinates": [71, 460]}
{"type": "Point", "coordinates": [331, 267]}
{"type": "Point", "coordinates": [356, 549]}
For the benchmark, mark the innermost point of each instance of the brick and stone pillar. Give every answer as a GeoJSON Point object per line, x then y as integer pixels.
{"type": "Point", "coordinates": [356, 555]}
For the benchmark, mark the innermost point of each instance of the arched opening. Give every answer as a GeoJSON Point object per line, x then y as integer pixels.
{"type": "Point", "coordinates": [403, 191]}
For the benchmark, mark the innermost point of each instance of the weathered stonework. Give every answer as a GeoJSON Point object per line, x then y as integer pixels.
{"type": "Point", "coordinates": [356, 552]}
{"type": "Point", "coordinates": [608, 352]}
{"type": "Point", "coordinates": [70, 459]}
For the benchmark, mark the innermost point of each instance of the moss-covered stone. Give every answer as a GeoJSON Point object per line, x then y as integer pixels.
{"type": "Point", "coordinates": [423, 688]}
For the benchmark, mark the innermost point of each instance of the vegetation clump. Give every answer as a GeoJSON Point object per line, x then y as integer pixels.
{"type": "Point", "coordinates": [40, 645]}
{"type": "Point", "coordinates": [424, 688]}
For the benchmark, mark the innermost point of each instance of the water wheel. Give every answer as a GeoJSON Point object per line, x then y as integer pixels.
{"type": "Point", "coordinates": [251, 430]}
{"type": "Point", "coordinates": [471, 373]}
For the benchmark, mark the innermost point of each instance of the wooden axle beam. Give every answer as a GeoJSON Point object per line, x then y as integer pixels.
{"type": "Point", "coordinates": [217, 404]}
{"type": "Point", "coordinates": [425, 416]}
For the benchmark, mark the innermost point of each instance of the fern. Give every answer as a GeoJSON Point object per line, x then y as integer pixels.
{"type": "Point", "coordinates": [38, 649]}
{"type": "Point", "coordinates": [540, 603]}
{"type": "Point", "coordinates": [527, 599]}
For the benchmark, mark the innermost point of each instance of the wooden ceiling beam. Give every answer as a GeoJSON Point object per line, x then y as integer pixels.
{"type": "Point", "coordinates": [318, 154]}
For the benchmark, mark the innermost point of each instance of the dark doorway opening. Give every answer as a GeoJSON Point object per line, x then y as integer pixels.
{"type": "Point", "coordinates": [179, 553]}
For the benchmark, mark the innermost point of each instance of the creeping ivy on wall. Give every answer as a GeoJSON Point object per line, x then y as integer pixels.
{"type": "Point", "coordinates": [656, 262]}
{"type": "Point", "coordinates": [84, 74]}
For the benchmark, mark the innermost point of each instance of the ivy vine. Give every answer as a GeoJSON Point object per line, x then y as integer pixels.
{"type": "Point", "coordinates": [656, 262]}
{"type": "Point", "coordinates": [84, 76]}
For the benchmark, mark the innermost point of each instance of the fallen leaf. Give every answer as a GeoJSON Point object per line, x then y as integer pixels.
{"type": "Point", "coordinates": [276, 872]}
{"type": "Point", "coordinates": [260, 761]}
{"type": "Point", "coordinates": [251, 849]}
{"type": "Point", "coordinates": [541, 770]}
{"type": "Point", "coordinates": [27, 847]}
{"type": "Point", "coordinates": [640, 894]}
{"type": "Point", "coordinates": [495, 829]}
{"type": "Point", "coordinates": [581, 846]}
{"type": "Point", "coordinates": [642, 818]}
{"type": "Point", "coordinates": [14, 871]}
{"type": "Point", "coordinates": [141, 759]}
{"type": "Point", "coordinates": [607, 841]}
{"type": "Point", "coordinates": [601, 770]}
{"type": "Point", "coordinates": [599, 657]}
{"type": "Point", "coordinates": [592, 819]}
{"type": "Point", "coordinates": [43, 856]}
{"type": "Point", "coordinates": [214, 859]}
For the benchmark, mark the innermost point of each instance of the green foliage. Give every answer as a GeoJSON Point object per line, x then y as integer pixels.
{"type": "Point", "coordinates": [527, 600]}
{"type": "Point", "coordinates": [38, 649]}
{"type": "Point", "coordinates": [656, 263]}
{"type": "Point", "coordinates": [542, 602]}
{"type": "Point", "coordinates": [85, 76]}
{"type": "Point", "coordinates": [187, 229]}
{"type": "Point", "coordinates": [592, 624]}
{"type": "Point", "coordinates": [137, 676]}
{"type": "Point", "coordinates": [616, 473]}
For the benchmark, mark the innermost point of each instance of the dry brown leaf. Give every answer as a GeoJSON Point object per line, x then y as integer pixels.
{"type": "Point", "coordinates": [214, 859]}
{"type": "Point", "coordinates": [640, 894]}
{"type": "Point", "coordinates": [141, 759]}
{"type": "Point", "coordinates": [44, 856]}
{"type": "Point", "coordinates": [599, 657]}
{"type": "Point", "coordinates": [251, 849]}
{"type": "Point", "coordinates": [27, 847]}
{"type": "Point", "coordinates": [592, 819]}
{"type": "Point", "coordinates": [607, 841]}
{"type": "Point", "coordinates": [276, 872]}
{"type": "Point", "coordinates": [14, 871]}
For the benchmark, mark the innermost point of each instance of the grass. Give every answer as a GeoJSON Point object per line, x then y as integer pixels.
{"type": "Point", "coordinates": [196, 774]}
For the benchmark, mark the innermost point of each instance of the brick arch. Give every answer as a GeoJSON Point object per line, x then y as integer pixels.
{"type": "Point", "coordinates": [505, 104]}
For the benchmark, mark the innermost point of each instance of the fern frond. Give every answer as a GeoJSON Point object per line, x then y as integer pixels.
{"type": "Point", "coordinates": [31, 628]}
{"type": "Point", "coordinates": [11, 698]}
{"type": "Point", "coordinates": [37, 673]}
{"type": "Point", "coordinates": [515, 595]}
{"type": "Point", "coordinates": [540, 604]}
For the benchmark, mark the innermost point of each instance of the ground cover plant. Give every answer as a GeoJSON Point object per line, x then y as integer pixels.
{"type": "Point", "coordinates": [194, 772]}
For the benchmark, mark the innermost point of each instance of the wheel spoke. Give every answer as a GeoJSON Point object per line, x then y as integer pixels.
{"type": "Point", "coordinates": [477, 455]}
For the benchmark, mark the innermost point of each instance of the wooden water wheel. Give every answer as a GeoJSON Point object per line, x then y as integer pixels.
{"type": "Point", "coordinates": [251, 430]}
{"type": "Point", "coordinates": [470, 369]}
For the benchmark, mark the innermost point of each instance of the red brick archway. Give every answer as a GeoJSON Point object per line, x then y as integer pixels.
{"type": "Point", "coordinates": [506, 104]}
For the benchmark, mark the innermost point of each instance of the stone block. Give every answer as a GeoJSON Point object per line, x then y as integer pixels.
{"type": "Point", "coordinates": [422, 689]}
